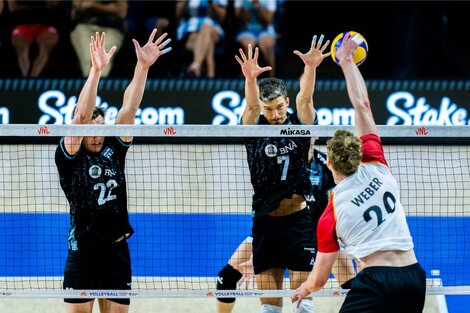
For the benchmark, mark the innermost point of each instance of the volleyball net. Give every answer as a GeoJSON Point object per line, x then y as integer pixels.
{"type": "Point", "coordinates": [189, 201]}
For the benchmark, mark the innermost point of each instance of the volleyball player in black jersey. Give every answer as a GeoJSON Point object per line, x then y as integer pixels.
{"type": "Point", "coordinates": [283, 235]}
{"type": "Point", "coordinates": [91, 171]}
{"type": "Point", "coordinates": [240, 266]}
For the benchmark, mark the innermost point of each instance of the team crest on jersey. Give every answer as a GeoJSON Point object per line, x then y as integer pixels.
{"type": "Point", "coordinates": [95, 171]}
{"type": "Point", "coordinates": [270, 150]}
{"type": "Point", "coordinates": [107, 152]}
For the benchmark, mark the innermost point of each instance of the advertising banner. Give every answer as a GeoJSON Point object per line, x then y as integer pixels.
{"type": "Point", "coordinates": [221, 102]}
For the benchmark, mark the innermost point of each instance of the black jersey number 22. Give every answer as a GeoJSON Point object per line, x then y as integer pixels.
{"type": "Point", "coordinates": [106, 191]}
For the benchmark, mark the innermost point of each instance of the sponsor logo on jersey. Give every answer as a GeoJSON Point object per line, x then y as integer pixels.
{"type": "Point", "coordinates": [309, 198]}
{"type": "Point", "coordinates": [109, 172]}
{"type": "Point", "coordinates": [321, 158]}
{"type": "Point", "coordinates": [312, 251]}
{"type": "Point", "coordinates": [286, 149]}
{"type": "Point", "coordinates": [95, 171]}
{"type": "Point", "coordinates": [107, 152]}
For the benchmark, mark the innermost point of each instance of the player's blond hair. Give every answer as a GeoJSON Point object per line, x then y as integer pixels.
{"type": "Point", "coordinates": [344, 152]}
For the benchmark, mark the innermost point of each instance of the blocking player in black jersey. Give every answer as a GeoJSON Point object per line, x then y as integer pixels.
{"type": "Point", "coordinates": [92, 176]}
{"type": "Point", "coordinates": [239, 269]}
{"type": "Point", "coordinates": [282, 231]}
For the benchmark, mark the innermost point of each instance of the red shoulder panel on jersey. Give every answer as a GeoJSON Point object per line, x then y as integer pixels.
{"type": "Point", "coordinates": [326, 231]}
{"type": "Point", "coordinates": [372, 150]}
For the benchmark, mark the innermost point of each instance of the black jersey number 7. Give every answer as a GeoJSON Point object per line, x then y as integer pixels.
{"type": "Point", "coordinates": [284, 161]}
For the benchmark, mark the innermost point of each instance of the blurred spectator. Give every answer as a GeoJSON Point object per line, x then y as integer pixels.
{"type": "Point", "coordinates": [33, 22]}
{"type": "Point", "coordinates": [255, 26]}
{"type": "Point", "coordinates": [2, 6]}
{"type": "Point", "coordinates": [1, 12]}
{"type": "Point", "coordinates": [144, 16]}
{"type": "Point", "coordinates": [94, 16]}
{"type": "Point", "coordinates": [200, 26]}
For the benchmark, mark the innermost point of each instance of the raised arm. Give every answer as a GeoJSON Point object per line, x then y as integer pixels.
{"type": "Point", "coordinates": [356, 86]}
{"type": "Point", "coordinates": [251, 70]}
{"type": "Point", "coordinates": [146, 56]}
{"type": "Point", "coordinates": [87, 98]}
{"type": "Point", "coordinates": [312, 59]}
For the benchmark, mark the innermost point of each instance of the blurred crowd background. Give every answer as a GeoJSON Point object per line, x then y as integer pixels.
{"type": "Point", "coordinates": [407, 39]}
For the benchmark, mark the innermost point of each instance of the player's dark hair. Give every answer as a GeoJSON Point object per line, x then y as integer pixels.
{"type": "Point", "coordinates": [271, 88]}
{"type": "Point", "coordinates": [97, 112]}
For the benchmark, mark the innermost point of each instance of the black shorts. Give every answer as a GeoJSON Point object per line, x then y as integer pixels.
{"type": "Point", "coordinates": [386, 289]}
{"type": "Point", "coordinates": [106, 268]}
{"type": "Point", "coordinates": [284, 242]}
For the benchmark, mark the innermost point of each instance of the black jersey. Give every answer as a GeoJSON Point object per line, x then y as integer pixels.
{"type": "Point", "coordinates": [95, 186]}
{"type": "Point", "coordinates": [322, 181]}
{"type": "Point", "coordinates": [278, 167]}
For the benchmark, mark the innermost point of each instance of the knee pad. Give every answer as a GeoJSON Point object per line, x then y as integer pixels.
{"type": "Point", "coordinates": [227, 279]}
{"type": "Point", "coordinates": [306, 306]}
{"type": "Point", "coordinates": [268, 308]}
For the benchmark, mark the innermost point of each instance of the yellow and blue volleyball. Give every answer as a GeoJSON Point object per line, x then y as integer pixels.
{"type": "Point", "coordinates": [361, 52]}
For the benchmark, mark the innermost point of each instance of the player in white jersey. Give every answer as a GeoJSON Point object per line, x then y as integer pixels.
{"type": "Point", "coordinates": [364, 215]}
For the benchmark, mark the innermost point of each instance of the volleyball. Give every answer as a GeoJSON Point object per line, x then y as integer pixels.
{"type": "Point", "coordinates": [361, 52]}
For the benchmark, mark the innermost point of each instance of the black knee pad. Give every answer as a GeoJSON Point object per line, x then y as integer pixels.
{"type": "Point", "coordinates": [227, 279]}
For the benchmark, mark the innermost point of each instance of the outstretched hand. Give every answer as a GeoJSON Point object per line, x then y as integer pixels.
{"type": "Point", "coordinates": [348, 47]}
{"type": "Point", "coordinates": [99, 57]}
{"type": "Point", "coordinates": [250, 67]}
{"type": "Point", "coordinates": [315, 55]}
{"type": "Point", "coordinates": [148, 54]}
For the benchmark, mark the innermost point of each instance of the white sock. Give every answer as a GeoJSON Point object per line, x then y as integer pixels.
{"type": "Point", "coordinates": [306, 306]}
{"type": "Point", "coordinates": [268, 308]}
